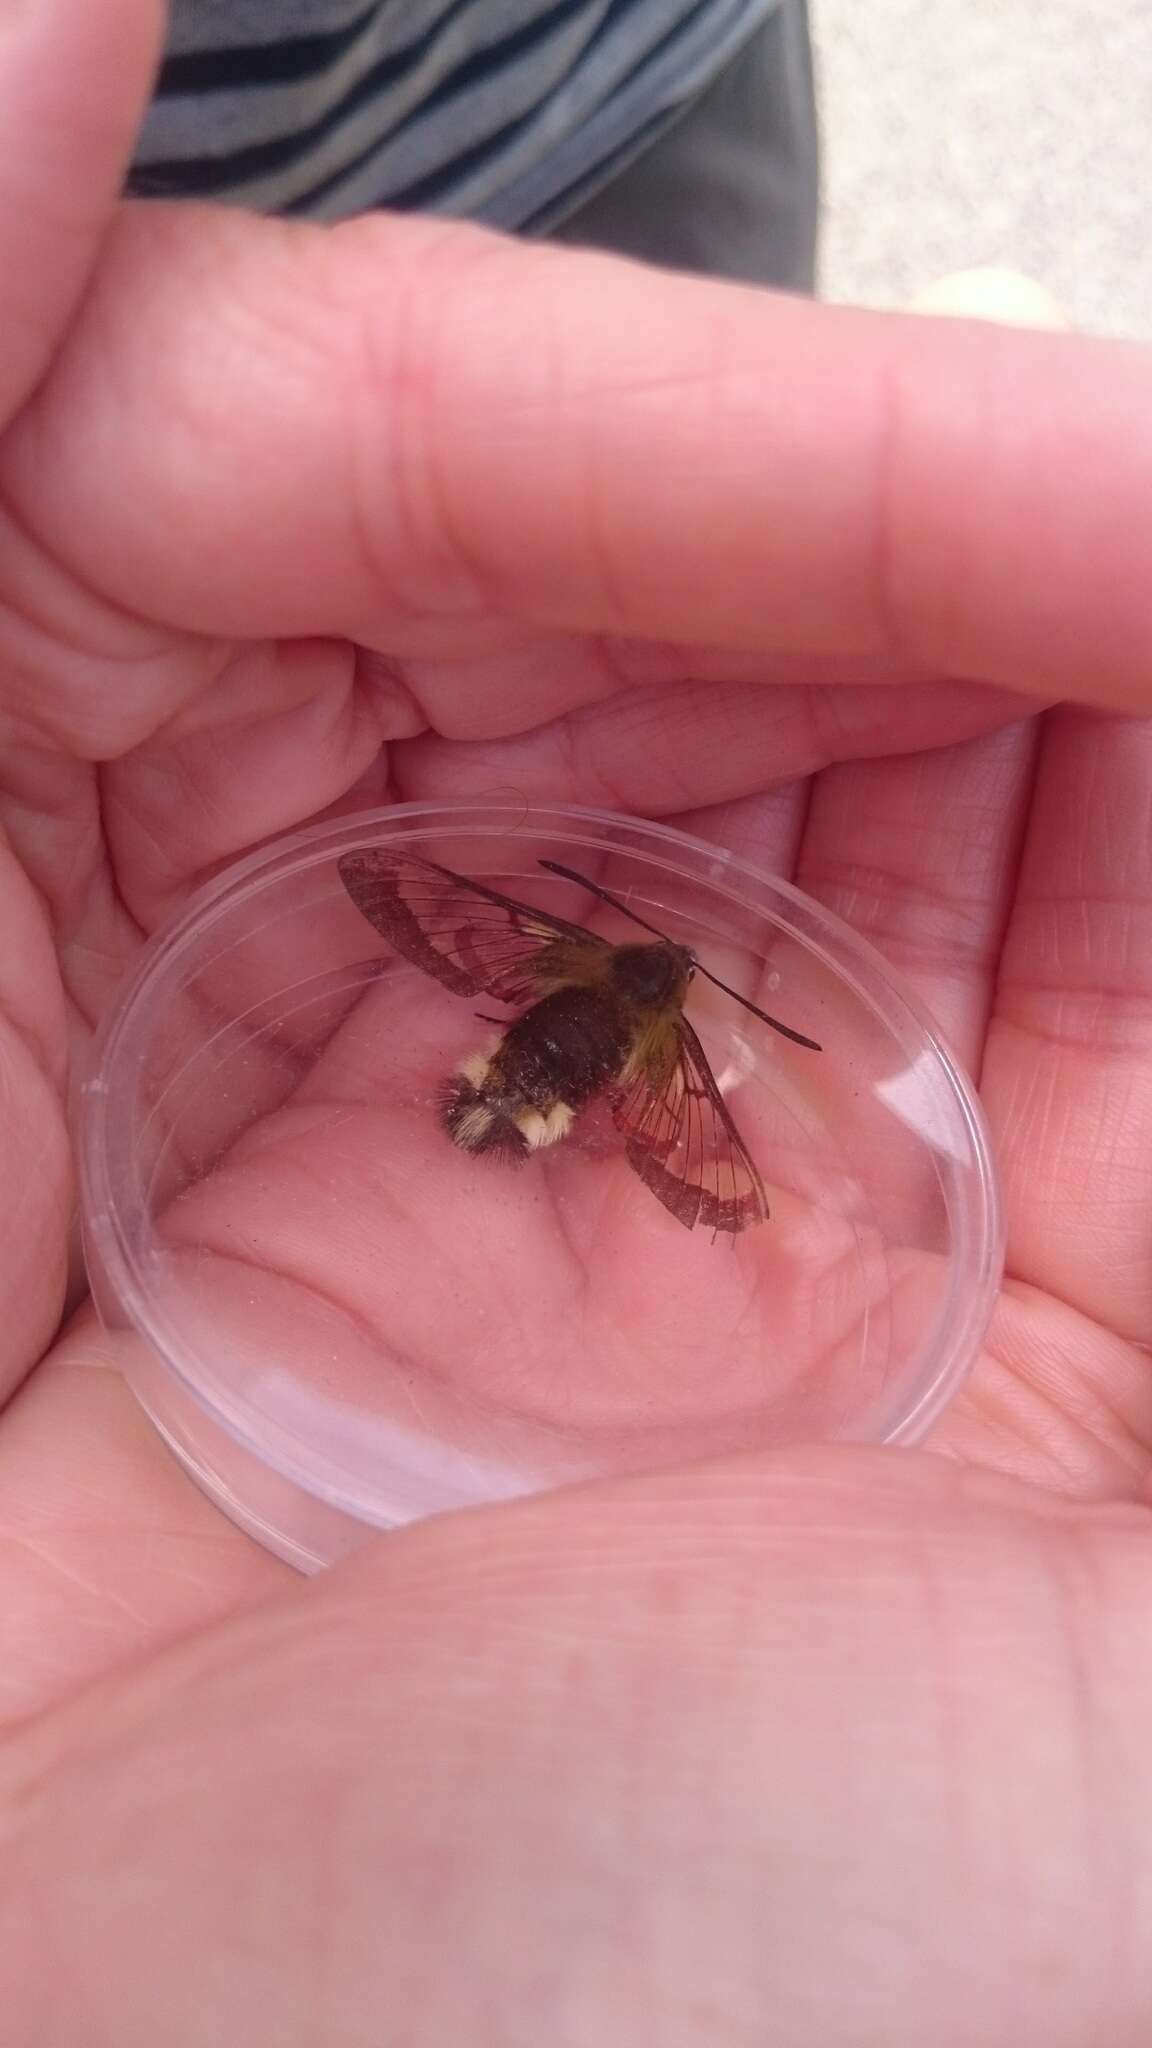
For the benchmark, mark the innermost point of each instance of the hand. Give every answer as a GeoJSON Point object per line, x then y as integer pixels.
{"type": "Point", "coordinates": [836, 1748]}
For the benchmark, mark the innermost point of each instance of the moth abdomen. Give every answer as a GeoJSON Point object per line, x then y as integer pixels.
{"type": "Point", "coordinates": [480, 1122]}
{"type": "Point", "coordinates": [483, 1111]}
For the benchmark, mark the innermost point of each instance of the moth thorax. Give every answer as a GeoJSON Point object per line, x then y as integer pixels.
{"type": "Point", "coordinates": [653, 975]}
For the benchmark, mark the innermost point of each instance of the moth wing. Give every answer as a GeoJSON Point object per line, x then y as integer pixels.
{"type": "Point", "coordinates": [471, 938]}
{"type": "Point", "coordinates": [681, 1138]}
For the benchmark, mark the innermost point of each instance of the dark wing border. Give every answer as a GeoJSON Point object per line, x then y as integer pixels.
{"type": "Point", "coordinates": [718, 1182]}
{"type": "Point", "coordinates": [468, 936]}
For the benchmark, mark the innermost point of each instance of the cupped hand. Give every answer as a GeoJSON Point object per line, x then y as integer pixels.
{"type": "Point", "coordinates": [835, 1747]}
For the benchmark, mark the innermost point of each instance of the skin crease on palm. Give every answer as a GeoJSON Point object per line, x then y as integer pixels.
{"type": "Point", "coordinates": [837, 1747]}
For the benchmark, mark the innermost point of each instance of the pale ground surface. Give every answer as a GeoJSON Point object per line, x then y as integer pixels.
{"type": "Point", "coordinates": [1003, 132]}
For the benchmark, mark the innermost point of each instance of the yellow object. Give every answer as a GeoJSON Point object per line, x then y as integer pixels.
{"type": "Point", "coordinates": [1001, 295]}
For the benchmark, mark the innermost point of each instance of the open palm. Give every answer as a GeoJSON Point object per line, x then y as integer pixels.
{"type": "Point", "coordinates": [683, 552]}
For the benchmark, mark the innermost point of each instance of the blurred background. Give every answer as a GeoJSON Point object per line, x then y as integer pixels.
{"type": "Point", "coordinates": [1014, 133]}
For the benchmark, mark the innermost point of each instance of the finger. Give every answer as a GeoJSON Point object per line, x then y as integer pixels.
{"type": "Point", "coordinates": [73, 80]}
{"type": "Point", "coordinates": [282, 733]}
{"type": "Point", "coordinates": [270, 738]}
{"type": "Point", "coordinates": [705, 1735]}
{"type": "Point", "coordinates": [326, 432]}
{"type": "Point", "coordinates": [1068, 1070]}
{"type": "Point", "coordinates": [764, 829]}
{"type": "Point", "coordinates": [692, 744]}
{"type": "Point", "coordinates": [36, 1182]}
{"type": "Point", "coordinates": [108, 1551]}
{"type": "Point", "coordinates": [516, 688]}
{"type": "Point", "coordinates": [919, 856]}
{"type": "Point", "coordinates": [1056, 1399]}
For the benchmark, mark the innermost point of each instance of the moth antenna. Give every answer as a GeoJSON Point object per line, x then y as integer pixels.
{"type": "Point", "coordinates": [774, 1024]}
{"type": "Point", "coordinates": [570, 875]}
{"type": "Point", "coordinates": [785, 1030]}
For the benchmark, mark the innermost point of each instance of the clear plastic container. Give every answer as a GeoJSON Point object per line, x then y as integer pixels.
{"type": "Point", "coordinates": [340, 1322]}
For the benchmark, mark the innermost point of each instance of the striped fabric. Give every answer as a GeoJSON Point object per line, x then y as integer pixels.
{"type": "Point", "coordinates": [496, 109]}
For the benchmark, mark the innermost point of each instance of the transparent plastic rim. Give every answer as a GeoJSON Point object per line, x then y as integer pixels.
{"type": "Point", "coordinates": [976, 1258]}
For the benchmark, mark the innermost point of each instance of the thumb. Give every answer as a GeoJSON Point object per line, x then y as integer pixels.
{"type": "Point", "coordinates": [73, 80]}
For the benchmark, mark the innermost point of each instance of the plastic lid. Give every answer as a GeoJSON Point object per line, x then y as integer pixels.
{"type": "Point", "coordinates": [342, 1321]}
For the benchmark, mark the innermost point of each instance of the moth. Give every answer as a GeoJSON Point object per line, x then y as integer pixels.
{"type": "Point", "coordinates": [597, 1019]}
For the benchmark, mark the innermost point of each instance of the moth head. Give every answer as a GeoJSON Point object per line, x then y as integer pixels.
{"type": "Point", "coordinates": [653, 975]}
